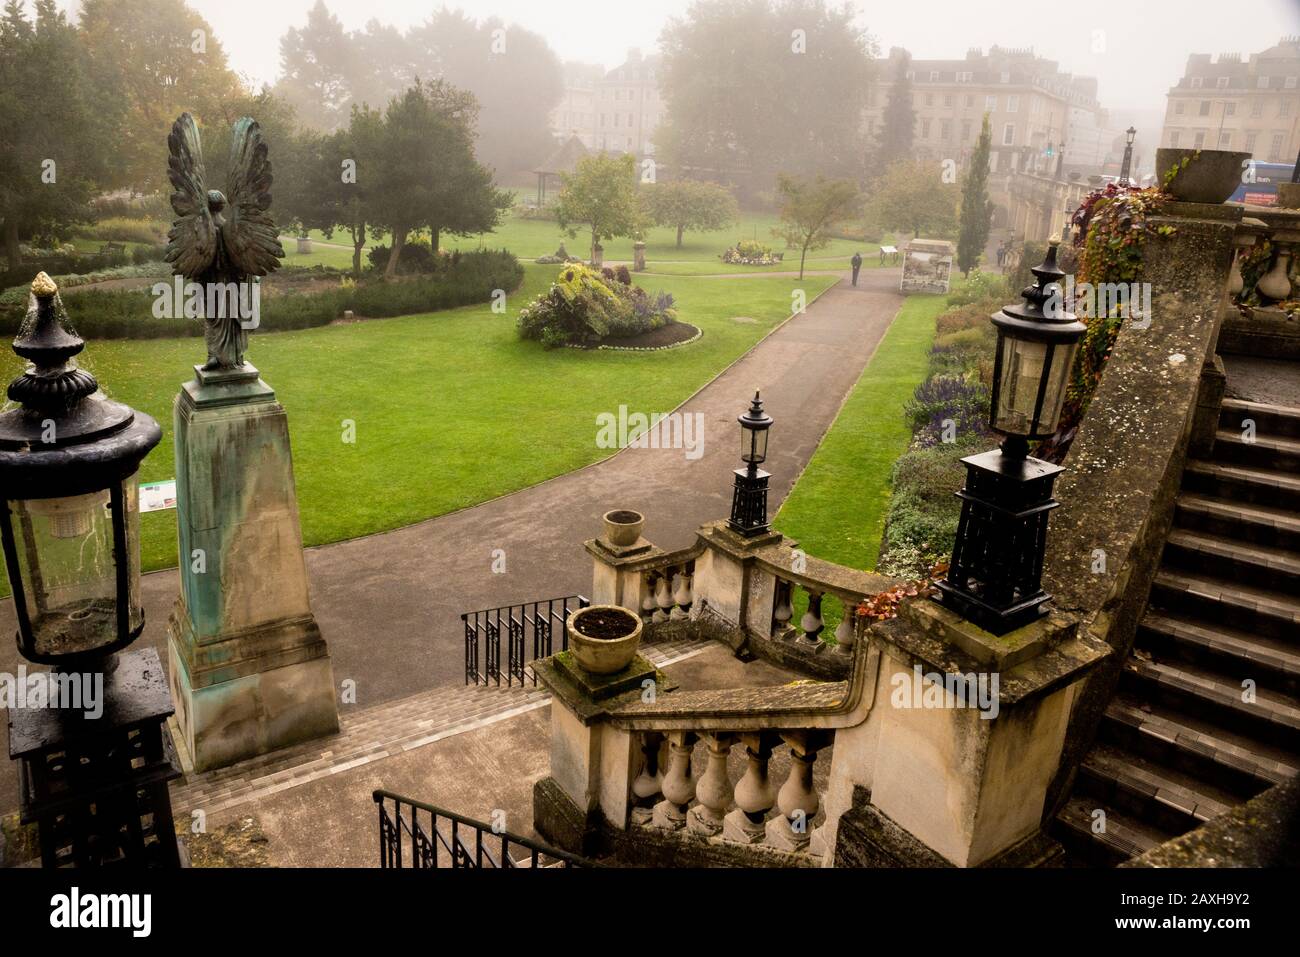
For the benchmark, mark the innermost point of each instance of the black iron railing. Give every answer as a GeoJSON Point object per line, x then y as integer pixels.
{"type": "Point", "coordinates": [533, 625]}
{"type": "Point", "coordinates": [421, 836]}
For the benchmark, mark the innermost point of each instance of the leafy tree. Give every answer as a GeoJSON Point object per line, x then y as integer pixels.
{"type": "Point", "coordinates": [318, 62]}
{"type": "Point", "coordinates": [912, 196]}
{"type": "Point", "coordinates": [976, 209]}
{"type": "Point", "coordinates": [899, 118]}
{"type": "Point", "coordinates": [600, 194]}
{"type": "Point", "coordinates": [160, 58]}
{"type": "Point", "coordinates": [56, 126]}
{"type": "Point", "coordinates": [690, 204]}
{"type": "Point", "coordinates": [425, 173]}
{"type": "Point", "coordinates": [748, 96]}
{"type": "Point", "coordinates": [810, 208]}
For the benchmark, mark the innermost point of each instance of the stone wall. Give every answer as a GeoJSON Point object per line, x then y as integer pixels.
{"type": "Point", "coordinates": [1125, 466]}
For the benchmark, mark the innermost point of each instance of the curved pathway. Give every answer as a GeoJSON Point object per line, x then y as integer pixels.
{"type": "Point", "coordinates": [389, 604]}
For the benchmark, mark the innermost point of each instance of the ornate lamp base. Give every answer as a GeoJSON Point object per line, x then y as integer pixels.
{"type": "Point", "coordinates": [995, 577]}
{"type": "Point", "coordinates": [749, 503]}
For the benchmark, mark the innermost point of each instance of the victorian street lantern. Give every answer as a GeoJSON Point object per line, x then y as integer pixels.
{"type": "Point", "coordinates": [1127, 164]}
{"type": "Point", "coordinates": [69, 516]}
{"type": "Point", "coordinates": [994, 578]}
{"type": "Point", "coordinates": [749, 500]}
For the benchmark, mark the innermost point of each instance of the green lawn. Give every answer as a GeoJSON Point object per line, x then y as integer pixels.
{"type": "Point", "coordinates": [530, 238]}
{"type": "Point", "coordinates": [836, 509]}
{"type": "Point", "coordinates": [450, 408]}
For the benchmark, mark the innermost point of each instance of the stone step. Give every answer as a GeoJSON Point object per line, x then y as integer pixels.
{"type": "Point", "coordinates": [1187, 741]}
{"type": "Point", "coordinates": [1280, 453]}
{"type": "Point", "coordinates": [1122, 837]}
{"type": "Point", "coordinates": [1214, 600]}
{"type": "Point", "coordinates": [1146, 790]}
{"type": "Point", "coordinates": [1269, 419]}
{"type": "Point", "coordinates": [1271, 717]}
{"type": "Point", "coordinates": [1260, 524]}
{"type": "Point", "coordinates": [1215, 556]}
{"type": "Point", "coordinates": [1236, 654]}
{"type": "Point", "coordinates": [1245, 485]}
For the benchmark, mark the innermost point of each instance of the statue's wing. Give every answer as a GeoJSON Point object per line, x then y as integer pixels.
{"type": "Point", "coordinates": [252, 241]}
{"type": "Point", "coordinates": [192, 241]}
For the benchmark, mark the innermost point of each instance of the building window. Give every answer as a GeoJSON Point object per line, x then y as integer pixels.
{"type": "Point", "coordinates": [602, 123]}
{"type": "Point", "coordinates": [1225, 139]}
{"type": "Point", "coordinates": [929, 99]}
{"type": "Point", "coordinates": [1180, 108]}
{"type": "Point", "coordinates": [1290, 83]}
{"type": "Point", "coordinates": [1229, 109]}
{"type": "Point", "coordinates": [1221, 83]}
{"type": "Point", "coordinates": [1199, 141]}
{"type": "Point", "coordinates": [630, 120]}
{"type": "Point", "coordinates": [1013, 103]}
{"type": "Point", "coordinates": [970, 101]}
{"type": "Point", "coordinates": [1009, 135]}
{"type": "Point", "coordinates": [1204, 109]}
{"type": "Point", "coordinates": [1257, 108]}
{"type": "Point", "coordinates": [991, 103]}
{"type": "Point", "coordinates": [1250, 141]}
{"type": "Point", "coordinates": [1262, 83]}
{"type": "Point", "coordinates": [934, 76]}
{"type": "Point", "coordinates": [947, 101]}
{"type": "Point", "coordinates": [1006, 77]}
{"type": "Point", "coordinates": [1275, 149]}
{"type": "Point", "coordinates": [925, 128]}
{"type": "Point", "coordinates": [1196, 82]}
{"type": "Point", "coordinates": [965, 131]}
{"type": "Point", "coordinates": [1284, 108]}
{"type": "Point", "coordinates": [1173, 139]}
{"type": "Point", "coordinates": [945, 130]}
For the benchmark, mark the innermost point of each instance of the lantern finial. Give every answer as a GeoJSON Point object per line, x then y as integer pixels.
{"type": "Point", "coordinates": [43, 286]}
{"type": "Point", "coordinates": [54, 385]}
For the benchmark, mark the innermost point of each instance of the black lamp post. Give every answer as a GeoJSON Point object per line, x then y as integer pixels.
{"type": "Point", "coordinates": [70, 526]}
{"type": "Point", "coordinates": [749, 500]}
{"type": "Point", "coordinates": [1127, 164]}
{"type": "Point", "coordinates": [994, 578]}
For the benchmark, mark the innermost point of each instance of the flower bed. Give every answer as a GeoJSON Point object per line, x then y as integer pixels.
{"type": "Point", "coordinates": [750, 252]}
{"type": "Point", "coordinates": [585, 307]}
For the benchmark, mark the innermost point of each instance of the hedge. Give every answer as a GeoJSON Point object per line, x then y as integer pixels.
{"type": "Point", "coordinates": [97, 314]}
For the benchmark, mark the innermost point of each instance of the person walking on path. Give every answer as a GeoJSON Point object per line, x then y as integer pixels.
{"type": "Point", "coordinates": [856, 262]}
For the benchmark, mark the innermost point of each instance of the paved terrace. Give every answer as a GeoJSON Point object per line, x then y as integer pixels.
{"type": "Point", "coordinates": [390, 604]}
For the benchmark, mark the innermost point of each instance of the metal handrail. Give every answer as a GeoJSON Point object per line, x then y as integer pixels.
{"type": "Point", "coordinates": [540, 617]}
{"type": "Point", "coordinates": [459, 852]}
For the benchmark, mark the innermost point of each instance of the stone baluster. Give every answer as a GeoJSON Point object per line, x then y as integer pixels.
{"type": "Point", "coordinates": [797, 799]}
{"type": "Point", "coordinates": [1276, 283]}
{"type": "Point", "coordinates": [663, 597]}
{"type": "Point", "coordinates": [682, 597]}
{"type": "Point", "coordinates": [714, 790]}
{"type": "Point", "coordinates": [754, 793]}
{"type": "Point", "coordinates": [648, 604]}
{"type": "Point", "coordinates": [845, 632]}
{"type": "Point", "coordinates": [678, 784]}
{"type": "Point", "coordinates": [649, 783]}
{"type": "Point", "coordinates": [811, 622]}
{"type": "Point", "coordinates": [783, 611]}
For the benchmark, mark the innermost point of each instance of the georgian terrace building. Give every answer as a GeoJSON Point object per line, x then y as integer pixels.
{"type": "Point", "coordinates": [1228, 103]}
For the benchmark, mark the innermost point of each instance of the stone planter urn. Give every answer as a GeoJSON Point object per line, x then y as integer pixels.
{"type": "Point", "coordinates": [1204, 176]}
{"type": "Point", "coordinates": [623, 526]}
{"type": "Point", "coordinates": [304, 245]}
{"type": "Point", "coordinates": [603, 638]}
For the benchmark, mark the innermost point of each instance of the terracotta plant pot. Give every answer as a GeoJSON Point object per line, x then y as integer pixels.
{"type": "Point", "coordinates": [623, 526]}
{"type": "Point", "coordinates": [1210, 176]}
{"type": "Point", "coordinates": [611, 638]}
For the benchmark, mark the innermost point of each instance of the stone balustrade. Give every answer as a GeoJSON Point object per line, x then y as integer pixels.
{"type": "Point", "coordinates": [1263, 285]}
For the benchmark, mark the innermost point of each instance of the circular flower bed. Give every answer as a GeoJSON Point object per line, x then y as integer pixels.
{"type": "Point", "coordinates": [586, 307]}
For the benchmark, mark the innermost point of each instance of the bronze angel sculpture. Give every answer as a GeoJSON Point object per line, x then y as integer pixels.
{"type": "Point", "coordinates": [222, 238]}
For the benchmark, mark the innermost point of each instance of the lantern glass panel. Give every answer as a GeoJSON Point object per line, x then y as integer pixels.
{"type": "Point", "coordinates": [1024, 365]}
{"type": "Point", "coordinates": [69, 572]}
{"type": "Point", "coordinates": [753, 445]}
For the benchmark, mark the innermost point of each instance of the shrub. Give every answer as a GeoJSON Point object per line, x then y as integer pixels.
{"type": "Point", "coordinates": [977, 287]}
{"type": "Point", "coordinates": [750, 252]}
{"type": "Point", "coordinates": [418, 257]}
{"type": "Point", "coordinates": [584, 306]}
{"type": "Point", "coordinates": [943, 399]}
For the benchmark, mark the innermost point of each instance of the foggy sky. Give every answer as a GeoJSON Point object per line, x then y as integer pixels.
{"type": "Point", "coordinates": [1146, 41]}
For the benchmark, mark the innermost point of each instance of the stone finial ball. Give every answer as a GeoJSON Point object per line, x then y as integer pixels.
{"type": "Point", "coordinates": [43, 286]}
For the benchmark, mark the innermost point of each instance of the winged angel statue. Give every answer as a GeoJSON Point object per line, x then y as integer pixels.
{"type": "Point", "coordinates": [222, 238]}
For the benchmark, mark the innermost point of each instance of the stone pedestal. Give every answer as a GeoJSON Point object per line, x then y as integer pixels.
{"type": "Point", "coordinates": [250, 672]}
{"type": "Point", "coordinates": [638, 256]}
{"type": "Point", "coordinates": [617, 576]}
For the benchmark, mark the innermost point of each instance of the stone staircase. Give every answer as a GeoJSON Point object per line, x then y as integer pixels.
{"type": "Point", "coordinates": [1183, 740]}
